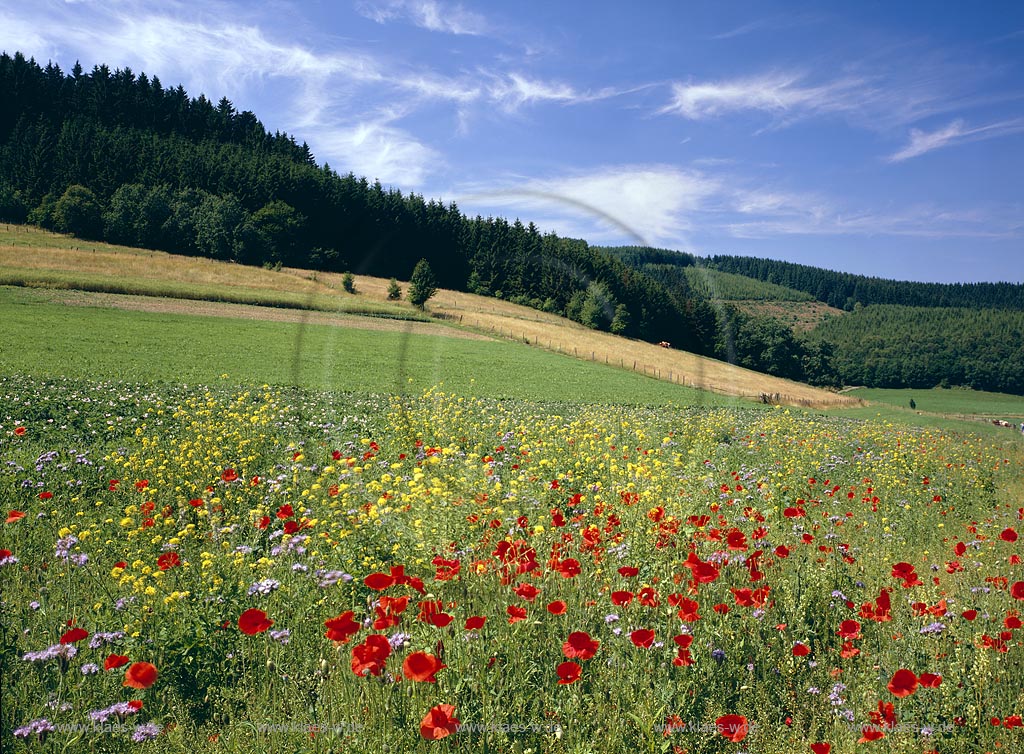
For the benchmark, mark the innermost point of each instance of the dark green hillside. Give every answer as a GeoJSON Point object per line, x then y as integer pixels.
{"type": "Point", "coordinates": [844, 290]}
{"type": "Point", "coordinates": [915, 347]}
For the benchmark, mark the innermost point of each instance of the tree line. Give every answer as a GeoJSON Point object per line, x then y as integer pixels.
{"type": "Point", "coordinates": [118, 157]}
{"type": "Point", "coordinates": [845, 290]}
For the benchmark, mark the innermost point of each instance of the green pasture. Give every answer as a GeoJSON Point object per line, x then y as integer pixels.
{"type": "Point", "coordinates": [949, 401]}
{"type": "Point", "coordinates": [43, 338]}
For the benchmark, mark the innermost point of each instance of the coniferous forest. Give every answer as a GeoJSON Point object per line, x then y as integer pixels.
{"type": "Point", "coordinates": [115, 156]}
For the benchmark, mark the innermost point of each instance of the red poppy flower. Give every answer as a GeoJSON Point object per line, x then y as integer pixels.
{"type": "Point", "coordinates": [421, 667]}
{"type": "Point", "coordinates": [648, 597]}
{"type": "Point", "coordinates": [14, 516]}
{"type": "Point", "coordinates": [515, 613]}
{"type": "Point", "coordinates": [168, 560]}
{"type": "Point", "coordinates": [733, 727]}
{"type": "Point", "coordinates": [527, 591]}
{"type": "Point", "coordinates": [643, 637]}
{"type": "Point", "coordinates": [74, 635]}
{"type": "Point", "coordinates": [568, 672]}
{"type": "Point", "coordinates": [370, 656]}
{"type": "Point", "coordinates": [801, 650]}
{"type": "Point", "coordinates": [622, 598]}
{"type": "Point", "coordinates": [848, 650]}
{"type": "Point", "coordinates": [115, 661]}
{"type": "Point", "coordinates": [19, 431]}
{"type": "Point", "coordinates": [886, 715]}
{"type": "Point", "coordinates": [628, 572]}
{"type": "Point", "coordinates": [688, 611]}
{"type": "Point", "coordinates": [228, 475]}
{"type": "Point", "coordinates": [196, 503]}
{"type": "Point", "coordinates": [705, 573]}
{"type": "Point", "coordinates": [580, 645]}
{"type": "Point", "coordinates": [253, 622]}
{"type": "Point", "coordinates": [821, 748]}
{"type": "Point", "coordinates": [930, 680]}
{"type": "Point", "coordinates": [903, 683]}
{"type": "Point", "coordinates": [439, 722]}
{"type": "Point", "coordinates": [849, 629]}
{"type": "Point", "coordinates": [869, 734]}
{"type": "Point", "coordinates": [342, 628]}
{"type": "Point", "coordinates": [475, 622]}
{"type": "Point", "coordinates": [432, 612]}
{"type": "Point", "coordinates": [1017, 590]}
{"type": "Point", "coordinates": [782, 551]}
{"type": "Point", "coordinates": [683, 640]}
{"type": "Point", "coordinates": [1008, 534]}
{"type": "Point", "coordinates": [569, 568]}
{"type": "Point", "coordinates": [285, 511]}
{"type": "Point", "coordinates": [557, 607]}
{"type": "Point", "coordinates": [140, 675]}
{"type": "Point", "coordinates": [970, 614]}
{"type": "Point", "coordinates": [45, 495]}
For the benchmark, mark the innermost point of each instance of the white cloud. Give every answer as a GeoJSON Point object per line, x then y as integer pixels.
{"type": "Point", "coordinates": [649, 204]}
{"type": "Point", "coordinates": [662, 205]}
{"type": "Point", "coordinates": [765, 213]}
{"type": "Point", "coordinates": [427, 14]}
{"type": "Point", "coordinates": [20, 34]}
{"type": "Point", "coordinates": [955, 133]}
{"type": "Point", "coordinates": [379, 150]}
{"type": "Point", "coordinates": [512, 91]}
{"type": "Point", "coordinates": [778, 93]}
{"type": "Point", "coordinates": [883, 93]}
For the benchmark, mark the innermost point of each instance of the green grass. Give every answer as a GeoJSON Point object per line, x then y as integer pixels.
{"type": "Point", "coordinates": [45, 339]}
{"type": "Point", "coordinates": [940, 401]}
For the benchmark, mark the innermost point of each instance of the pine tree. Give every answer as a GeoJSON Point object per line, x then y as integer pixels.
{"type": "Point", "coordinates": [422, 285]}
{"type": "Point", "coordinates": [394, 290]}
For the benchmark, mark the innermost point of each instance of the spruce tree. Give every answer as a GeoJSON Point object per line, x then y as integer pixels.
{"type": "Point", "coordinates": [422, 285]}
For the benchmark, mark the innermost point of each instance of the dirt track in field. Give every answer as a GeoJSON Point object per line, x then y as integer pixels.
{"type": "Point", "coordinates": [247, 311]}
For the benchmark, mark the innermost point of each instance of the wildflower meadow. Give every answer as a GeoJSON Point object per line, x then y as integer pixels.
{"type": "Point", "coordinates": [214, 569]}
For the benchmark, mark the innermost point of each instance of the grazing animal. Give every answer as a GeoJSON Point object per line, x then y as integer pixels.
{"type": "Point", "coordinates": [665, 344]}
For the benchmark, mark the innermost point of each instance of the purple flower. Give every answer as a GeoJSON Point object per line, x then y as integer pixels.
{"type": "Point", "coordinates": [398, 640]}
{"type": "Point", "coordinates": [119, 710]}
{"type": "Point", "coordinates": [264, 587]}
{"type": "Point", "coordinates": [37, 728]}
{"type": "Point", "coordinates": [146, 732]}
{"type": "Point", "coordinates": [100, 638]}
{"type": "Point", "coordinates": [283, 636]}
{"type": "Point", "coordinates": [90, 668]}
{"type": "Point", "coordinates": [64, 651]}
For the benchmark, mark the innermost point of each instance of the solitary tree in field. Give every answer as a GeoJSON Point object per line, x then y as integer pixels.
{"type": "Point", "coordinates": [394, 290]}
{"type": "Point", "coordinates": [422, 285]}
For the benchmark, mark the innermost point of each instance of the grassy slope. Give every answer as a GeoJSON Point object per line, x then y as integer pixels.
{"type": "Point", "coordinates": [951, 402]}
{"type": "Point", "coordinates": [28, 254]}
{"type": "Point", "coordinates": [48, 339]}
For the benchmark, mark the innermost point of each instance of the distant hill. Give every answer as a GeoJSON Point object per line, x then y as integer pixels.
{"type": "Point", "coordinates": [844, 290]}
{"type": "Point", "coordinates": [968, 335]}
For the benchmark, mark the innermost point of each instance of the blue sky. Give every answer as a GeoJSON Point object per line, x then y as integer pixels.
{"type": "Point", "coordinates": [882, 138]}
